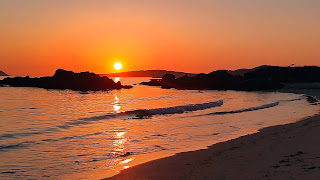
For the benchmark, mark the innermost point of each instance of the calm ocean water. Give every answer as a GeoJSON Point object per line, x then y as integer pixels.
{"type": "Point", "coordinates": [63, 134]}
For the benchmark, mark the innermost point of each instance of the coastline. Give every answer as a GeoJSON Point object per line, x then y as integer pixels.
{"type": "Point", "coordinates": [290, 151]}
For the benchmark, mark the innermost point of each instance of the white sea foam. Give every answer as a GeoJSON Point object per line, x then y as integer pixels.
{"type": "Point", "coordinates": [177, 109]}
{"type": "Point", "coordinates": [265, 106]}
{"type": "Point", "coordinates": [248, 109]}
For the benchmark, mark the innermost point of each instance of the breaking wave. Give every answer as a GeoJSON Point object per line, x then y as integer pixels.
{"type": "Point", "coordinates": [265, 106]}
{"type": "Point", "coordinates": [247, 109]}
{"type": "Point", "coordinates": [176, 109]}
{"type": "Point", "coordinates": [141, 113]}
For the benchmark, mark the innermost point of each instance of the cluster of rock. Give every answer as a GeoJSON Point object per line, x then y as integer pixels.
{"type": "Point", "coordinates": [264, 78]}
{"type": "Point", "coordinates": [62, 79]}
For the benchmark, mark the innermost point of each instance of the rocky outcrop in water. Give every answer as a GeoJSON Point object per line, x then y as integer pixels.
{"type": "Point", "coordinates": [257, 79]}
{"type": "Point", "coordinates": [3, 73]}
{"type": "Point", "coordinates": [62, 79]}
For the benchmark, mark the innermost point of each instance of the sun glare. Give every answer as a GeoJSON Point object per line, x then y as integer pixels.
{"type": "Point", "coordinates": [117, 65]}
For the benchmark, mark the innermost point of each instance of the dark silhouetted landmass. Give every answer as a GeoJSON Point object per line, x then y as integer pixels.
{"type": "Point", "coordinates": [242, 72]}
{"type": "Point", "coordinates": [62, 79]}
{"type": "Point", "coordinates": [3, 73]}
{"type": "Point", "coordinates": [148, 73]}
{"type": "Point", "coordinates": [256, 79]}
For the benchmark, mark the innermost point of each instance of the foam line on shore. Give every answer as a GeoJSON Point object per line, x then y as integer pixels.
{"type": "Point", "coordinates": [140, 113]}
{"type": "Point", "coordinates": [137, 113]}
{"type": "Point", "coordinates": [265, 106]}
{"type": "Point", "coordinates": [128, 114]}
{"type": "Point", "coordinates": [247, 109]}
{"type": "Point", "coordinates": [178, 109]}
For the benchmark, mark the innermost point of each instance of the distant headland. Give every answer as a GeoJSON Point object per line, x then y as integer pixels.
{"type": "Point", "coordinates": [148, 73]}
{"type": "Point", "coordinates": [62, 79]}
{"type": "Point", "coordinates": [3, 73]}
{"type": "Point", "coordinates": [256, 79]}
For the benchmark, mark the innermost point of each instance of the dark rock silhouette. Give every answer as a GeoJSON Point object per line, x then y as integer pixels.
{"type": "Point", "coordinates": [3, 73]}
{"type": "Point", "coordinates": [62, 79]}
{"type": "Point", "coordinates": [287, 74]}
{"type": "Point", "coordinates": [256, 79]}
{"type": "Point", "coordinates": [168, 80]}
{"type": "Point", "coordinates": [168, 77]}
{"type": "Point", "coordinates": [153, 82]}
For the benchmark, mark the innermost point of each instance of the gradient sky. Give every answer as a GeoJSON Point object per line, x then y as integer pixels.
{"type": "Point", "coordinates": [39, 36]}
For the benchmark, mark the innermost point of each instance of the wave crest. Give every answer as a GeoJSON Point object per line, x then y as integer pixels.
{"type": "Point", "coordinates": [176, 109]}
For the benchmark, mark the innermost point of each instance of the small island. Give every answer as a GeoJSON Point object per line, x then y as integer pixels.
{"type": "Point", "coordinates": [256, 79]}
{"type": "Point", "coordinates": [62, 79]}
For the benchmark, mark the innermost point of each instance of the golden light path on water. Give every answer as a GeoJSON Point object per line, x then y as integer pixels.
{"type": "Point", "coordinates": [116, 104]}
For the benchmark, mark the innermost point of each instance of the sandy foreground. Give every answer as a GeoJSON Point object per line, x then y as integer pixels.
{"type": "Point", "coordinates": [290, 151]}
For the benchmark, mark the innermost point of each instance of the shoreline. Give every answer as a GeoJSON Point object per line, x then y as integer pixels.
{"type": "Point", "coordinates": [289, 151]}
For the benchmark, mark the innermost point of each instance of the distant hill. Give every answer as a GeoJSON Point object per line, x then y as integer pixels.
{"type": "Point", "coordinates": [242, 72]}
{"type": "Point", "coordinates": [148, 73]}
{"type": "Point", "coordinates": [3, 73]}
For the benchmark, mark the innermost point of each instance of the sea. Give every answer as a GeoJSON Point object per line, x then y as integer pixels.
{"type": "Point", "coordinates": [65, 134]}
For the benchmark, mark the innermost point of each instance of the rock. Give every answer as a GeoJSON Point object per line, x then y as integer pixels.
{"type": "Point", "coordinates": [152, 82]}
{"type": "Point", "coordinates": [168, 78]}
{"type": "Point", "coordinates": [256, 79]}
{"type": "Point", "coordinates": [3, 73]}
{"type": "Point", "coordinates": [126, 154]}
{"type": "Point", "coordinates": [62, 79]}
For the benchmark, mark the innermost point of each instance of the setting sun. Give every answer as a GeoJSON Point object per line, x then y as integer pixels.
{"type": "Point", "coordinates": [117, 65]}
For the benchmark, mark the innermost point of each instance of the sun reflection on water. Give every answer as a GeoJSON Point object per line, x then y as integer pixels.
{"type": "Point", "coordinates": [116, 105]}
{"type": "Point", "coordinates": [119, 148]}
{"type": "Point", "coordinates": [119, 145]}
{"type": "Point", "coordinates": [116, 108]}
{"type": "Point", "coordinates": [119, 142]}
{"type": "Point", "coordinates": [116, 79]}
{"type": "Point", "coordinates": [126, 161]}
{"type": "Point", "coordinates": [120, 134]}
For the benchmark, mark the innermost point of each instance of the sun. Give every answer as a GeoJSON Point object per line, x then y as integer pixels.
{"type": "Point", "coordinates": [117, 65]}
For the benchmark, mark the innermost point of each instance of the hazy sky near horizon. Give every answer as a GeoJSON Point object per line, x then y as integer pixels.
{"type": "Point", "coordinates": [39, 36]}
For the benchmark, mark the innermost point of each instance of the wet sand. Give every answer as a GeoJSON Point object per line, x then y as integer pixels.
{"type": "Point", "coordinates": [290, 151]}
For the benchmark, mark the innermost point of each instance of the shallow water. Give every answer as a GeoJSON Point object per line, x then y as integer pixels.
{"type": "Point", "coordinates": [63, 134]}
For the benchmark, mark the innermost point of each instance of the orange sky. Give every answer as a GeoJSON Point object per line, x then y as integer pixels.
{"type": "Point", "coordinates": [39, 36]}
